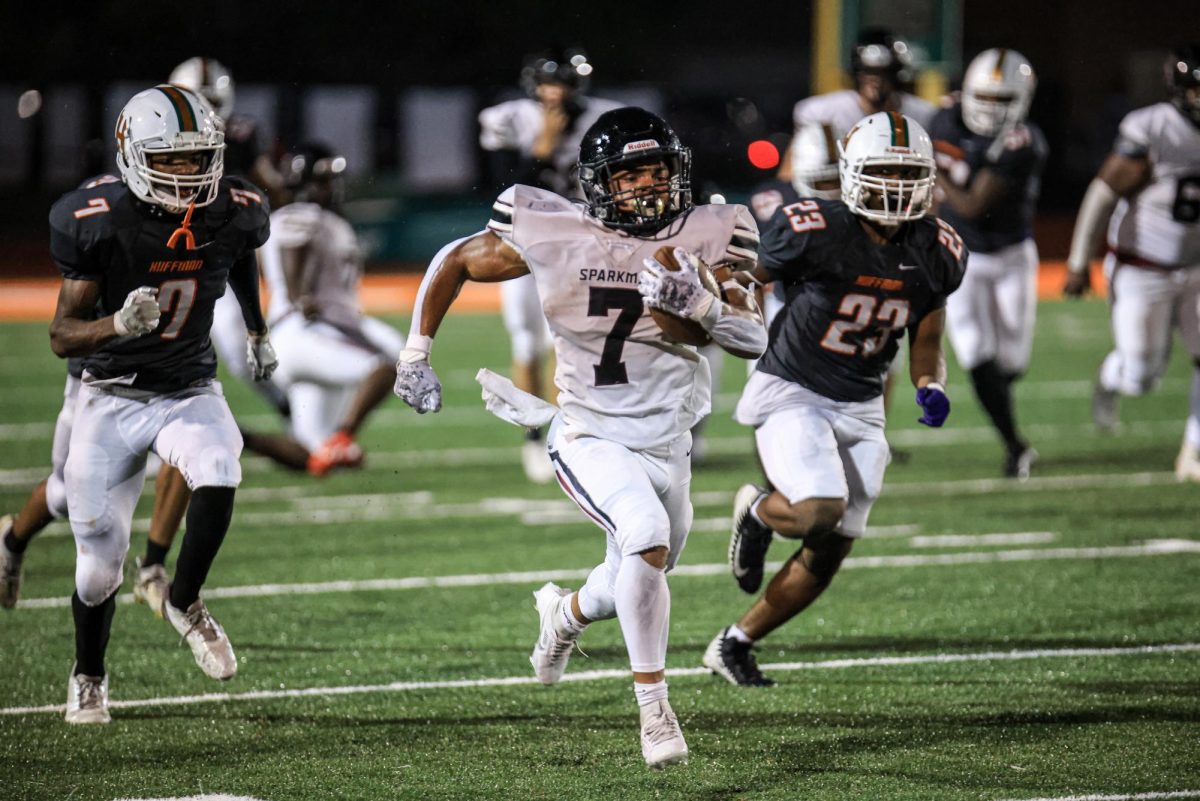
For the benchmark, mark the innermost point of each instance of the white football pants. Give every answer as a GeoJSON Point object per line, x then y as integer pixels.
{"type": "Point", "coordinates": [991, 316]}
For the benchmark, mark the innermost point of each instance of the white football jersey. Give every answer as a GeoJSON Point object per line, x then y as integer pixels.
{"type": "Point", "coordinates": [1161, 223]}
{"type": "Point", "coordinates": [617, 376]}
{"type": "Point", "coordinates": [842, 110]}
{"type": "Point", "coordinates": [516, 125]}
{"type": "Point", "coordinates": [333, 252]}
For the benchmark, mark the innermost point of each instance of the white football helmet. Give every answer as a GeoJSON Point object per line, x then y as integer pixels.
{"type": "Point", "coordinates": [208, 78]}
{"type": "Point", "coordinates": [168, 120]}
{"type": "Point", "coordinates": [881, 143]}
{"type": "Point", "coordinates": [815, 160]}
{"type": "Point", "coordinates": [997, 90]}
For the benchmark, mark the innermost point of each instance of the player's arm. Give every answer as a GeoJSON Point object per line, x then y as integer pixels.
{"type": "Point", "coordinates": [243, 280]}
{"type": "Point", "coordinates": [1120, 176]}
{"type": "Point", "coordinates": [73, 332]}
{"type": "Point", "coordinates": [300, 277]}
{"type": "Point", "coordinates": [988, 189]}
{"type": "Point", "coordinates": [484, 257]}
{"type": "Point", "coordinates": [927, 368]}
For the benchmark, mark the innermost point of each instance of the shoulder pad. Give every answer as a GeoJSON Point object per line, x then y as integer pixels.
{"type": "Point", "coordinates": [246, 207]}
{"type": "Point", "coordinates": [950, 263]}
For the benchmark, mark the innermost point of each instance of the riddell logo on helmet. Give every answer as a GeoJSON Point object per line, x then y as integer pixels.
{"type": "Point", "coordinates": [908, 151]}
{"type": "Point", "coordinates": [644, 144]}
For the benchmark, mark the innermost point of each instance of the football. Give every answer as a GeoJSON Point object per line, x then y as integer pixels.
{"type": "Point", "coordinates": [676, 328]}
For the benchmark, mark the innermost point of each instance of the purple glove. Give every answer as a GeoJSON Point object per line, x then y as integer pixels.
{"type": "Point", "coordinates": [933, 401]}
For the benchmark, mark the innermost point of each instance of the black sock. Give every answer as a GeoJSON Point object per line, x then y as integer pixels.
{"type": "Point", "coordinates": [92, 626]}
{"type": "Point", "coordinates": [13, 544]}
{"type": "Point", "coordinates": [994, 390]}
{"type": "Point", "coordinates": [208, 517]}
{"type": "Point", "coordinates": [533, 434]}
{"type": "Point", "coordinates": [155, 554]}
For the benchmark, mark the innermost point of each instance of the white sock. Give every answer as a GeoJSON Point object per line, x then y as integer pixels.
{"type": "Point", "coordinates": [644, 612]}
{"type": "Point", "coordinates": [648, 694]}
{"type": "Point", "coordinates": [568, 623]}
{"type": "Point", "coordinates": [1191, 434]}
{"type": "Point", "coordinates": [739, 635]}
{"type": "Point", "coordinates": [754, 510]}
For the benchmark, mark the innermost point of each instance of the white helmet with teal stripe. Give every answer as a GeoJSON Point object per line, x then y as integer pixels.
{"type": "Point", "coordinates": [170, 148]}
{"type": "Point", "coordinates": [887, 169]}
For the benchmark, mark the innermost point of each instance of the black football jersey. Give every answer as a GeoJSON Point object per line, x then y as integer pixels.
{"type": "Point", "coordinates": [850, 299]}
{"type": "Point", "coordinates": [767, 197]}
{"type": "Point", "coordinates": [961, 155]}
{"type": "Point", "coordinates": [102, 232]}
{"type": "Point", "coordinates": [241, 145]}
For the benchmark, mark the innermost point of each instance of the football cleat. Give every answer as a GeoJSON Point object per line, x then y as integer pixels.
{"type": "Point", "coordinates": [1018, 463]}
{"type": "Point", "coordinates": [1105, 408]}
{"type": "Point", "coordinates": [10, 567]}
{"type": "Point", "coordinates": [555, 641]}
{"type": "Point", "coordinates": [87, 699]}
{"type": "Point", "coordinates": [749, 541]}
{"type": "Point", "coordinates": [1187, 465]}
{"type": "Point", "coordinates": [536, 462]}
{"type": "Point", "coordinates": [734, 661]}
{"type": "Point", "coordinates": [206, 638]}
{"type": "Point", "coordinates": [662, 739]}
{"type": "Point", "coordinates": [340, 450]}
{"type": "Point", "coordinates": [151, 587]}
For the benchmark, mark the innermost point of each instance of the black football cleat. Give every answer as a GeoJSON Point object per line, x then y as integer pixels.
{"type": "Point", "coordinates": [749, 541]}
{"type": "Point", "coordinates": [734, 661]}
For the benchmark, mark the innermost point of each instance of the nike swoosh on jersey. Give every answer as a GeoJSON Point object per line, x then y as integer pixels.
{"type": "Point", "coordinates": [908, 266]}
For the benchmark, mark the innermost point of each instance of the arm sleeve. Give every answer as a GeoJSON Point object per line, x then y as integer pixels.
{"type": "Point", "coordinates": [743, 243]}
{"type": "Point", "coordinates": [243, 280]}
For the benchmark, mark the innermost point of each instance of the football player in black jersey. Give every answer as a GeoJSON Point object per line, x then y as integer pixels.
{"type": "Point", "coordinates": [858, 273]}
{"type": "Point", "coordinates": [990, 161]}
{"type": "Point", "coordinates": [143, 263]}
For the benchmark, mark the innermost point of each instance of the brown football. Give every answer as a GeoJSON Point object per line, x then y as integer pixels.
{"type": "Point", "coordinates": [676, 328]}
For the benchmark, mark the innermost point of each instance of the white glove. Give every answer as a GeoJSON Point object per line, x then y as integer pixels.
{"type": "Point", "coordinates": [260, 355]}
{"type": "Point", "coordinates": [679, 292]}
{"type": "Point", "coordinates": [416, 382]}
{"type": "Point", "coordinates": [140, 313]}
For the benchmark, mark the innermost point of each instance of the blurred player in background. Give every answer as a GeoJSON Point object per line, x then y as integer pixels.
{"type": "Point", "coordinates": [1147, 193]}
{"type": "Point", "coordinates": [534, 141]}
{"type": "Point", "coordinates": [990, 161]}
{"type": "Point", "coordinates": [628, 396]}
{"type": "Point", "coordinates": [859, 272]}
{"type": "Point", "coordinates": [144, 261]}
{"type": "Point", "coordinates": [336, 364]}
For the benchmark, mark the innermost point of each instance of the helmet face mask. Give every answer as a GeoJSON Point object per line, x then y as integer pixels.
{"type": "Point", "coordinates": [635, 174]}
{"type": "Point", "coordinates": [887, 169]}
{"type": "Point", "coordinates": [567, 68]}
{"type": "Point", "coordinates": [998, 87]}
{"type": "Point", "coordinates": [170, 148]}
{"type": "Point", "coordinates": [1183, 81]}
{"type": "Point", "coordinates": [815, 162]}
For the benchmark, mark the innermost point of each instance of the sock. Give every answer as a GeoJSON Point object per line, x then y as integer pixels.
{"type": "Point", "coordinates": [736, 633]}
{"type": "Point", "coordinates": [155, 554]}
{"type": "Point", "coordinates": [994, 391]}
{"type": "Point", "coordinates": [754, 510]}
{"type": "Point", "coordinates": [644, 612]}
{"type": "Point", "coordinates": [533, 434]}
{"type": "Point", "coordinates": [1191, 433]}
{"type": "Point", "coordinates": [92, 627]}
{"type": "Point", "coordinates": [648, 694]}
{"type": "Point", "coordinates": [208, 517]}
{"type": "Point", "coordinates": [570, 623]}
{"type": "Point", "coordinates": [13, 544]}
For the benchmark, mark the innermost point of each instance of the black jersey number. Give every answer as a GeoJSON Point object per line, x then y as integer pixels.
{"type": "Point", "coordinates": [1186, 208]}
{"type": "Point", "coordinates": [176, 297]}
{"type": "Point", "coordinates": [601, 300]}
{"type": "Point", "coordinates": [893, 314]}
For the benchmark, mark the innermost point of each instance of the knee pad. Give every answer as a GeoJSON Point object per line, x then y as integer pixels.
{"type": "Point", "coordinates": [822, 554]}
{"type": "Point", "coordinates": [214, 466]}
{"type": "Point", "coordinates": [97, 574]}
{"type": "Point", "coordinates": [652, 532]}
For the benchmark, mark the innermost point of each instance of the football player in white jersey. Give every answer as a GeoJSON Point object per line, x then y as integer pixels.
{"type": "Point", "coordinates": [534, 141]}
{"type": "Point", "coordinates": [335, 362]}
{"type": "Point", "coordinates": [1148, 194]}
{"type": "Point", "coordinates": [628, 395]}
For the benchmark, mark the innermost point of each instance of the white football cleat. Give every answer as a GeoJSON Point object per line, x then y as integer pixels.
{"type": "Point", "coordinates": [10, 567]}
{"type": "Point", "coordinates": [1187, 465]}
{"type": "Point", "coordinates": [662, 739]}
{"type": "Point", "coordinates": [536, 462]}
{"type": "Point", "coordinates": [206, 638]}
{"type": "Point", "coordinates": [87, 699]}
{"type": "Point", "coordinates": [554, 643]}
{"type": "Point", "coordinates": [150, 587]}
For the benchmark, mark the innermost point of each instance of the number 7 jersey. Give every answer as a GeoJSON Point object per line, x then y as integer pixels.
{"type": "Point", "coordinates": [850, 299]}
{"type": "Point", "coordinates": [617, 376]}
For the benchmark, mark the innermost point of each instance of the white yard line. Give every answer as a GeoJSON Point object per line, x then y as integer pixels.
{"type": "Point", "coordinates": [967, 540]}
{"type": "Point", "coordinates": [1149, 548]}
{"type": "Point", "coordinates": [1128, 797]}
{"type": "Point", "coordinates": [599, 675]}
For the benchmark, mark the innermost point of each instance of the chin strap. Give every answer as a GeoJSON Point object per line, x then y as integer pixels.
{"type": "Point", "coordinates": [183, 231]}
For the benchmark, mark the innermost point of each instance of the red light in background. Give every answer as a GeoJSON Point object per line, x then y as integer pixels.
{"type": "Point", "coordinates": [763, 154]}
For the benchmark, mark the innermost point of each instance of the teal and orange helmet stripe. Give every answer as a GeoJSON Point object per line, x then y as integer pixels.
{"type": "Point", "coordinates": [998, 70]}
{"type": "Point", "coordinates": [899, 129]}
{"type": "Point", "coordinates": [183, 107]}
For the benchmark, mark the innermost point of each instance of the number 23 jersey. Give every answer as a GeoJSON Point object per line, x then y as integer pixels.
{"type": "Point", "coordinates": [618, 378]}
{"type": "Point", "coordinates": [849, 299]}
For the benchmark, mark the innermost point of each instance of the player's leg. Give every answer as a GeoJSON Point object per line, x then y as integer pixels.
{"type": "Point", "coordinates": [171, 497]}
{"type": "Point", "coordinates": [529, 337]}
{"type": "Point", "coordinates": [228, 335]}
{"type": "Point", "coordinates": [1016, 307]}
{"type": "Point", "coordinates": [201, 439]}
{"type": "Point", "coordinates": [1142, 306]}
{"type": "Point", "coordinates": [1187, 465]}
{"type": "Point", "coordinates": [374, 388]}
{"type": "Point", "coordinates": [714, 355]}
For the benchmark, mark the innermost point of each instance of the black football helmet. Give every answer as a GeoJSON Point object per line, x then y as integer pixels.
{"type": "Point", "coordinates": [631, 137]}
{"type": "Point", "coordinates": [878, 50]}
{"type": "Point", "coordinates": [313, 173]}
{"type": "Point", "coordinates": [569, 67]}
{"type": "Point", "coordinates": [1183, 73]}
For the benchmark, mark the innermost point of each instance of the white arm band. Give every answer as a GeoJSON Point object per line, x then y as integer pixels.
{"type": "Point", "coordinates": [1097, 207]}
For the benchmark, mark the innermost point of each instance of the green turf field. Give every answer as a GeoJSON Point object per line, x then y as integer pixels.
{"type": "Point", "coordinates": [1061, 660]}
